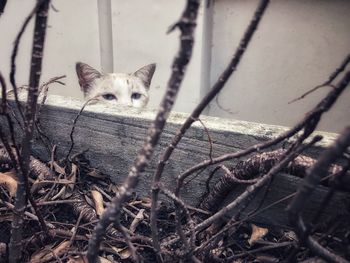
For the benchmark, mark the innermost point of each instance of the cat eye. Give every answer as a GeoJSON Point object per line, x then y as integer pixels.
{"type": "Point", "coordinates": [109, 96]}
{"type": "Point", "coordinates": [136, 96]}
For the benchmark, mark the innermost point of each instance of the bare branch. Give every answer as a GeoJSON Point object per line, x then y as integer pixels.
{"type": "Point", "coordinates": [23, 191]}
{"type": "Point", "coordinates": [200, 107]}
{"type": "Point", "coordinates": [328, 82]}
{"type": "Point", "coordinates": [4, 112]}
{"type": "Point", "coordinates": [14, 55]}
{"type": "Point", "coordinates": [317, 172]}
{"type": "Point", "coordinates": [323, 252]}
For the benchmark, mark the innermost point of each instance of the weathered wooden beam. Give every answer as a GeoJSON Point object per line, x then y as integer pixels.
{"type": "Point", "coordinates": [113, 137]}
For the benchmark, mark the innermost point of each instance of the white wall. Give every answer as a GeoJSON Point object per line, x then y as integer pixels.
{"type": "Point", "coordinates": [298, 44]}
{"type": "Point", "coordinates": [72, 35]}
{"type": "Point", "coordinates": [10, 23]}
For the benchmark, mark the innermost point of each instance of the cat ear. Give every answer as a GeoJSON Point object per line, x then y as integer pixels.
{"type": "Point", "coordinates": [145, 74]}
{"type": "Point", "coordinates": [86, 75]}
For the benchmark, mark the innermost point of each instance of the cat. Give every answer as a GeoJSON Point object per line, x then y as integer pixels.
{"type": "Point", "coordinates": [116, 88]}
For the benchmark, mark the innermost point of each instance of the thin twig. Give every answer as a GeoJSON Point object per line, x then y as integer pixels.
{"type": "Point", "coordinates": [260, 249]}
{"type": "Point", "coordinates": [76, 228]}
{"type": "Point", "coordinates": [324, 253]}
{"type": "Point", "coordinates": [3, 94]}
{"type": "Point", "coordinates": [16, 161]}
{"type": "Point", "coordinates": [188, 246]}
{"type": "Point", "coordinates": [209, 139]}
{"type": "Point", "coordinates": [228, 110]}
{"type": "Point", "coordinates": [328, 82]}
{"type": "Point", "coordinates": [135, 256]}
{"type": "Point", "coordinates": [30, 215]}
{"type": "Point", "coordinates": [44, 88]}
{"type": "Point", "coordinates": [74, 125]}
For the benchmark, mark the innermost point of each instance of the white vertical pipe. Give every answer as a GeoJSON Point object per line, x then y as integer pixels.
{"type": "Point", "coordinates": [106, 37]}
{"type": "Point", "coordinates": [206, 50]}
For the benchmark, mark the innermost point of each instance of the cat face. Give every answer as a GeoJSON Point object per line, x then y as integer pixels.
{"type": "Point", "coordinates": [116, 88]}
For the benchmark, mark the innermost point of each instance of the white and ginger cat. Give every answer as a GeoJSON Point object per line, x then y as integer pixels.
{"type": "Point", "coordinates": [116, 88]}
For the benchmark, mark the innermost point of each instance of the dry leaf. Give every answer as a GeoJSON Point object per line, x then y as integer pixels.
{"type": "Point", "coordinates": [123, 253]}
{"type": "Point", "coordinates": [135, 202]}
{"type": "Point", "coordinates": [59, 169]}
{"type": "Point", "coordinates": [49, 253]}
{"type": "Point", "coordinates": [67, 190]}
{"type": "Point", "coordinates": [74, 172]}
{"type": "Point", "coordinates": [73, 177]}
{"type": "Point", "coordinates": [138, 218]}
{"type": "Point", "coordinates": [112, 188]}
{"type": "Point", "coordinates": [104, 260]}
{"type": "Point", "coordinates": [77, 259]}
{"type": "Point", "coordinates": [145, 202]}
{"type": "Point", "coordinates": [61, 194]}
{"type": "Point", "coordinates": [96, 174]}
{"type": "Point", "coordinates": [217, 251]}
{"type": "Point", "coordinates": [291, 235]}
{"type": "Point", "coordinates": [12, 173]}
{"type": "Point", "coordinates": [98, 202]}
{"type": "Point", "coordinates": [257, 233]}
{"type": "Point", "coordinates": [89, 201]}
{"type": "Point", "coordinates": [6, 217]}
{"type": "Point", "coordinates": [83, 259]}
{"type": "Point", "coordinates": [3, 247]}
{"type": "Point", "coordinates": [7, 180]}
{"type": "Point", "coordinates": [39, 184]}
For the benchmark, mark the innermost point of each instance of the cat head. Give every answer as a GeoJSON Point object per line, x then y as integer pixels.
{"type": "Point", "coordinates": [116, 88]}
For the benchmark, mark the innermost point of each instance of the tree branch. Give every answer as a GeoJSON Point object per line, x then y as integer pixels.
{"type": "Point", "coordinates": [14, 55]}
{"type": "Point", "coordinates": [328, 82]}
{"type": "Point", "coordinates": [23, 190]}
{"type": "Point", "coordinates": [198, 110]}
{"type": "Point", "coordinates": [314, 177]}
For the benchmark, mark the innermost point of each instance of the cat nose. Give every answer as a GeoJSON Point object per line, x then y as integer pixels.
{"type": "Point", "coordinates": [125, 103]}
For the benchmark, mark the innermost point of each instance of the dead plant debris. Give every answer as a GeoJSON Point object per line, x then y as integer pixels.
{"type": "Point", "coordinates": [74, 198]}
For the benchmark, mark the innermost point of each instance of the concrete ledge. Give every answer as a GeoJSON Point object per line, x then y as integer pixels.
{"type": "Point", "coordinates": [113, 137]}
